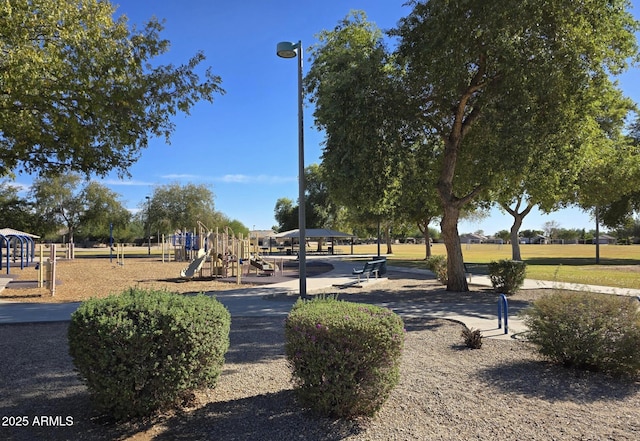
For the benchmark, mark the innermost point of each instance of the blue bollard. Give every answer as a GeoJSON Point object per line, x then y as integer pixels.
{"type": "Point", "coordinates": [503, 306]}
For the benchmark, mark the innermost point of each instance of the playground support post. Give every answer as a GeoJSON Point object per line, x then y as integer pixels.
{"type": "Point", "coordinates": [120, 254]}
{"type": "Point", "coordinates": [110, 243]}
{"type": "Point", "coordinates": [51, 270]}
{"type": "Point", "coordinates": [41, 266]}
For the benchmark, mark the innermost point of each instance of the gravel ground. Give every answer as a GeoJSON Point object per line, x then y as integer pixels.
{"type": "Point", "coordinates": [447, 392]}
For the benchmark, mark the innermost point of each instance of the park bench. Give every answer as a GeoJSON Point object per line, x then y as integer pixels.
{"type": "Point", "coordinates": [374, 267]}
{"type": "Point", "coordinates": [467, 271]}
{"type": "Point", "coordinates": [479, 269]}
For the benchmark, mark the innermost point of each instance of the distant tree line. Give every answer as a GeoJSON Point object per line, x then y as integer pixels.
{"type": "Point", "coordinates": [68, 208]}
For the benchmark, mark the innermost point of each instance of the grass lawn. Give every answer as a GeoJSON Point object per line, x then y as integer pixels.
{"type": "Point", "coordinates": [619, 264]}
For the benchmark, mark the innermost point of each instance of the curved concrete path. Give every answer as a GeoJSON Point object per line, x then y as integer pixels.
{"type": "Point", "coordinates": [267, 301]}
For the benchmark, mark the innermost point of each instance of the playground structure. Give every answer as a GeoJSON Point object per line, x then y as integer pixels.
{"type": "Point", "coordinates": [47, 269]}
{"type": "Point", "coordinates": [220, 254]}
{"type": "Point", "coordinates": [212, 253]}
{"type": "Point", "coordinates": [16, 245]}
{"type": "Point", "coordinates": [261, 265]}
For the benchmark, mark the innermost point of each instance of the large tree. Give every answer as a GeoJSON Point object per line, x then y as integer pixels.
{"type": "Point", "coordinates": [486, 75]}
{"type": "Point", "coordinates": [175, 207]}
{"type": "Point", "coordinates": [353, 85]}
{"type": "Point", "coordinates": [286, 214]}
{"type": "Point", "coordinates": [551, 175]}
{"type": "Point", "coordinates": [17, 212]}
{"type": "Point", "coordinates": [623, 168]}
{"type": "Point", "coordinates": [417, 199]}
{"type": "Point", "coordinates": [320, 210]}
{"type": "Point", "coordinates": [81, 91]}
{"type": "Point", "coordinates": [103, 213]}
{"type": "Point", "coordinates": [79, 209]}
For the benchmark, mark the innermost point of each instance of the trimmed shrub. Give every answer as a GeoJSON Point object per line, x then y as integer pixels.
{"type": "Point", "coordinates": [472, 338]}
{"type": "Point", "coordinates": [437, 264]}
{"type": "Point", "coordinates": [142, 351]}
{"type": "Point", "coordinates": [345, 357]}
{"type": "Point", "coordinates": [507, 276]}
{"type": "Point", "coordinates": [597, 332]}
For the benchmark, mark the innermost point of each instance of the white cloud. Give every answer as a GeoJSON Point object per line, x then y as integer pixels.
{"type": "Point", "coordinates": [234, 178]}
{"type": "Point", "coordinates": [259, 179]}
{"type": "Point", "coordinates": [184, 176]}
{"type": "Point", "coordinates": [22, 188]}
{"type": "Point", "coordinates": [131, 183]}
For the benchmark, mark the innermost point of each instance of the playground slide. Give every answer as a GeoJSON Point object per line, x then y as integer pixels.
{"type": "Point", "coordinates": [195, 265]}
{"type": "Point", "coordinates": [261, 264]}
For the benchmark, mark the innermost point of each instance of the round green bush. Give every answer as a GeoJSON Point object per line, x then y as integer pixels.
{"type": "Point", "coordinates": [345, 357]}
{"type": "Point", "coordinates": [437, 264]}
{"type": "Point", "coordinates": [590, 331]}
{"type": "Point", "coordinates": [507, 276]}
{"type": "Point", "coordinates": [142, 351]}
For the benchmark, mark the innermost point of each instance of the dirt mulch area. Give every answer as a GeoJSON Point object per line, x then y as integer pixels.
{"type": "Point", "coordinates": [83, 278]}
{"type": "Point", "coordinates": [446, 392]}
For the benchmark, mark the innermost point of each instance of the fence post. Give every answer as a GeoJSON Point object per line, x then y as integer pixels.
{"type": "Point", "coordinates": [503, 307]}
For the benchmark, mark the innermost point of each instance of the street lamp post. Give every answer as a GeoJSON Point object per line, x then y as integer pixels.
{"type": "Point", "coordinates": [287, 49]}
{"type": "Point", "coordinates": [148, 225]}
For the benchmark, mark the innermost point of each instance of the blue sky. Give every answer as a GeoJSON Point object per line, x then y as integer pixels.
{"type": "Point", "coordinates": [244, 145]}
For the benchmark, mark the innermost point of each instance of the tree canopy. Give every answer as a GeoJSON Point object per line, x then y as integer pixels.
{"type": "Point", "coordinates": [489, 76]}
{"type": "Point", "coordinates": [87, 209]}
{"type": "Point", "coordinates": [175, 207]}
{"type": "Point", "coordinates": [79, 90]}
{"type": "Point", "coordinates": [320, 210]}
{"type": "Point", "coordinates": [476, 95]}
{"type": "Point", "coordinates": [351, 83]}
{"type": "Point", "coordinates": [17, 212]}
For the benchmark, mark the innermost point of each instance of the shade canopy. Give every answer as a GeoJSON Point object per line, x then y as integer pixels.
{"type": "Point", "coordinates": [313, 233]}
{"type": "Point", "coordinates": [12, 232]}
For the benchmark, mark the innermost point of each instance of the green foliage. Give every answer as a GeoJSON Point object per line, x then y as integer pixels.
{"type": "Point", "coordinates": [507, 276]}
{"type": "Point", "coordinates": [351, 69]}
{"type": "Point", "coordinates": [142, 351]}
{"type": "Point", "coordinates": [589, 331]}
{"type": "Point", "coordinates": [286, 214]}
{"type": "Point", "coordinates": [320, 210]}
{"type": "Point", "coordinates": [344, 356]}
{"type": "Point", "coordinates": [472, 338]}
{"type": "Point", "coordinates": [174, 207]}
{"type": "Point", "coordinates": [82, 91]}
{"type": "Point", "coordinates": [437, 264]}
{"type": "Point", "coordinates": [505, 235]}
{"type": "Point", "coordinates": [17, 212]}
{"type": "Point", "coordinates": [84, 211]}
{"type": "Point", "coordinates": [509, 106]}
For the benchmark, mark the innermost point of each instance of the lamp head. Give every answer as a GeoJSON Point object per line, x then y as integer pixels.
{"type": "Point", "coordinates": [286, 49]}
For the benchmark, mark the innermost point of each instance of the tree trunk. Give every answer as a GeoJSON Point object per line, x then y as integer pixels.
{"type": "Point", "coordinates": [515, 240]}
{"type": "Point", "coordinates": [427, 242]}
{"type": "Point", "coordinates": [451, 204]}
{"type": "Point", "coordinates": [457, 280]}
{"type": "Point", "coordinates": [424, 229]}
{"type": "Point", "coordinates": [389, 249]}
{"type": "Point", "coordinates": [518, 218]}
{"type": "Point", "coordinates": [597, 236]}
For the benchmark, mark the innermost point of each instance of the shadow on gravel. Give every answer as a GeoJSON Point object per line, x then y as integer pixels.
{"type": "Point", "coordinates": [273, 416]}
{"type": "Point", "coordinates": [419, 324]}
{"type": "Point", "coordinates": [243, 346]}
{"type": "Point", "coordinates": [546, 381]}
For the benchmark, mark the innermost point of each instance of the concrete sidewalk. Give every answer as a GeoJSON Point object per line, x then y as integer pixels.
{"type": "Point", "coordinates": [268, 300]}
